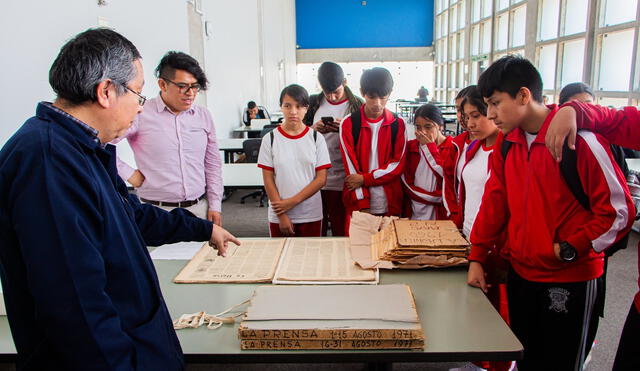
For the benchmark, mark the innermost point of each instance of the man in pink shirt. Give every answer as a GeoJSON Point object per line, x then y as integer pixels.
{"type": "Point", "coordinates": [174, 144]}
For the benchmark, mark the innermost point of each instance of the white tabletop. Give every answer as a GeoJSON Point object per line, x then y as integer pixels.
{"type": "Point", "coordinates": [230, 143]}
{"type": "Point", "coordinates": [242, 175]}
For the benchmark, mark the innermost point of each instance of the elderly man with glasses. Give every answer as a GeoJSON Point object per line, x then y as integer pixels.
{"type": "Point", "coordinates": [79, 285]}
{"type": "Point", "coordinates": [174, 144]}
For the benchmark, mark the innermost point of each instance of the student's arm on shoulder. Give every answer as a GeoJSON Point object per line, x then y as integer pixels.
{"type": "Point", "coordinates": [619, 126]}
{"type": "Point", "coordinates": [213, 167]}
{"type": "Point", "coordinates": [609, 198]}
{"type": "Point", "coordinates": [55, 180]}
{"type": "Point", "coordinates": [393, 169]}
{"type": "Point", "coordinates": [493, 215]}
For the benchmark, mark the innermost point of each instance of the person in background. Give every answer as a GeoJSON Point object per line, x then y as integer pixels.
{"type": "Point", "coordinates": [373, 143]}
{"type": "Point", "coordinates": [554, 243]}
{"type": "Point", "coordinates": [453, 161]}
{"type": "Point", "coordinates": [334, 103]}
{"type": "Point", "coordinates": [294, 162]}
{"type": "Point", "coordinates": [174, 144]}
{"type": "Point", "coordinates": [423, 94]}
{"type": "Point", "coordinates": [80, 288]}
{"type": "Point", "coordinates": [252, 112]}
{"type": "Point", "coordinates": [422, 177]}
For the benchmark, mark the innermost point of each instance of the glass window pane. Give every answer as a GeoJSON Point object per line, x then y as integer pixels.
{"type": "Point", "coordinates": [454, 18]}
{"type": "Point", "coordinates": [575, 17]}
{"type": "Point", "coordinates": [437, 27]}
{"type": "Point", "coordinates": [452, 78]}
{"type": "Point", "coordinates": [549, 16]}
{"type": "Point", "coordinates": [461, 46]}
{"type": "Point", "coordinates": [613, 102]}
{"type": "Point", "coordinates": [486, 37]}
{"type": "Point", "coordinates": [474, 72]}
{"type": "Point", "coordinates": [502, 4]}
{"type": "Point", "coordinates": [475, 12]}
{"type": "Point", "coordinates": [445, 23]}
{"type": "Point", "coordinates": [486, 8]}
{"type": "Point", "coordinates": [462, 12]}
{"type": "Point", "coordinates": [502, 32]}
{"type": "Point", "coordinates": [460, 81]}
{"type": "Point", "coordinates": [453, 48]}
{"type": "Point", "coordinates": [518, 23]}
{"type": "Point", "coordinates": [615, 60]}
{"type": "Point", "coordinates": [475, 40]}
{"type": "Point", "coordinates": [619, 11]}
{"type": "Point", "coordinates": [547, 65]}
{"type": "Point", "coordinates": [572, 62]}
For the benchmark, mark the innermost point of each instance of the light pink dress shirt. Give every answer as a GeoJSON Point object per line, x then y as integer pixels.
{"type": "Point", "coordinates": [177, 154]}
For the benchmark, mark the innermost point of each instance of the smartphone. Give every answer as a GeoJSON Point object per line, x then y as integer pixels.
{"type": "Point", "coordinates": [327, 120]}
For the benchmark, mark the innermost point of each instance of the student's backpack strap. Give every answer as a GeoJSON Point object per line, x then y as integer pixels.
{"type": "Point", "coordinates": [356, 125]}
{"type": "Point", "coordinates": [271, 137]}
{"type": "Point", "coordinates": [569, 170]}
{"type": "Point", "coordinates": [505, 147]}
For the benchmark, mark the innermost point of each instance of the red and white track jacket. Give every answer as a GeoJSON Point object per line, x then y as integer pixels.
{"type": "Point", "coordinates": [527, 195]}
{"type": "Point", "coordinates": [450, 184]}
{"type": "Point", "coordinates": [356, 161]}
{"type": "Point", "coordinates": [430, 155]}
{"type": "Point", "coordinates": [621, 127]}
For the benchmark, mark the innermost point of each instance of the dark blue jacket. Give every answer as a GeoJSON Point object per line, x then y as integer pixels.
{"type": "Point", "coordinates": [80, 288]}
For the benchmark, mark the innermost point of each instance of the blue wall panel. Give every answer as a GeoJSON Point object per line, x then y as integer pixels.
{"type": "Point", "coordinates": [348, 24]}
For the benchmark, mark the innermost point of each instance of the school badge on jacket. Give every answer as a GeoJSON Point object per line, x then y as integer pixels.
{"type": "Point", "coordinates": [558, 297]}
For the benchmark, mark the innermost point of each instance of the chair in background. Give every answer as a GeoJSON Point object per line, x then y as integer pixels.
{"type": "Point", "coordinates": [251, 148]}
{"type": "Point", "coordinates": [267, 128]}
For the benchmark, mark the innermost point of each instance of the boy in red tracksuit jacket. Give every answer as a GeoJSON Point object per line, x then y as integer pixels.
{"type": "Point", "coordinates": [373, 148]}
{"type": "Point", "coordinates": [422, 177]}
{"type": "Point", "coordinates": [620, 127]}
{"type": "Point", "coordinates": [554, 245]}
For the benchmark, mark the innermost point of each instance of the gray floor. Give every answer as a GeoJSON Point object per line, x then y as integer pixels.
{"type": "Point", "coordinates": [249, 220]}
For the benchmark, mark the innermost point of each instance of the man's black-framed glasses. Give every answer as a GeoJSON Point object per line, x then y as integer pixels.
{"type": "Point", "coordinates": [141, 98]}
{"type": "Point", "coordinates": [184, 88]}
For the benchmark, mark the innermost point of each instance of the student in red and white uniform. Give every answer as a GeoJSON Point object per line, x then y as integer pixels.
{"type": "Point", "coordinates": [621, 127]}
{"type": "Point", "coordinates": [554, 244]}
{"type": "Point", "coordinates": [294, 161]}
{"type": "Point", "coordinates": [453, 162]}
{"type": "Point", "coordinates": [422, 178]}
{"type": "Point", "coordinates": [375, 161]}
{"type": "Point", "coordinates": [334, 102]}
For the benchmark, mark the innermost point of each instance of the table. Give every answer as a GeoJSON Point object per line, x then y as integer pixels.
{"type": "Point", "coordinates": [230, 146]}
{"type": "Point", "coordinates": [245, 130]}
{"type": "Point", "coordinates": [459, 323]}
{"type": "Point", "coordinates": [243, 175]}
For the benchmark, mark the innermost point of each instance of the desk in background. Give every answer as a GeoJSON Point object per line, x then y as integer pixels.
{"type": "Point", "coordinates": [230, 146]}
{"type": "Point", "coordinates": [245, 130]}
{"type": "Point", "coordinates": [247, 175]}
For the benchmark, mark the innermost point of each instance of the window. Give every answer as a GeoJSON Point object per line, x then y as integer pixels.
{"type": "Point", "coordinates": [549, 16]}
{"type": "Point", "coordinates": [618, 11]}
{"type": "Point", "coordinates": [547, 65]}
{"type": "Point", "coordinates": [462, 13]}
{"type": "Point", "coordinates": [475, 11]}
{"type": "Point", "coordinates": [453, 48]}
{"type": "Point", "coordinates": [502, 4]}
{"type": "Point", "coordinates": [518, 23]}
{"type": "Point", "coordinates": [502, 31]}
{"type": "Point", "coordinates": [575, 17]}
{"type": "Point", "coordinates": [445, 23]}
{"type": "Point", "coordinates": [460, 81]}
{"type": "Point", "coordinates": [454, 19]}
{"type": "Point", "coordinates": [487, 6]}
{"type": "Point", "coordinates": [613, 102]}
{"type": "Point", "coordinates": [461, 45]}
{"type": "Point", "coordinates": [572, 62]}
{"type": "Point", "coordinates": [475, 40]}
{"type": "Point", "coordinates": [452, 78]}
{"type": "Point", "coordinates": [486, 37]}
{"type": "Point", "coordinates": [615, 60]}
{"type": "Point", "coordinates": [474, 72]}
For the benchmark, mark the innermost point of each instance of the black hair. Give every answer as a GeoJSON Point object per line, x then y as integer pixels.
{"type": "Point", "coordinates": [430, 112]}
{"type": "Point", "coordinates": [89, 58]}
{"type": "Point", "coordinates": [297, 92]}
{"type": "Point", "coordinates": [251, 105]}
{"type": "Point", "coordinates": [475, 99]}
{"type": "Point", "coordinates": [376, 82]}
{"type": "Point", "coordinates": [330, 76]}
{"type": "Point", "coordinates": [509, 74]}
{"type": "Point", "coordinates": [463, 92]}
{"type": "Point", "coordinates": [572, 89]}
{"type": "Point", "coordinates": [173, 61]}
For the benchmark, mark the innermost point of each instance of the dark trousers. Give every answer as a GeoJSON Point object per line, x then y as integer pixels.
{"type": "Point", "coordinates": [311, 229]}
{"type": "Point", "coordinates": [555, 322]}
{"type": "Point", "coordinates": [334, 213]}
{"type": "Point", "coordinates": [628, 356]}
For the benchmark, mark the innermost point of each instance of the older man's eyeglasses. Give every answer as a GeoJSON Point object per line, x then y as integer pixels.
{"type": "Point", "coordinates": [184, 88]}
{"type": "Point", "coordinates": [141, 98]}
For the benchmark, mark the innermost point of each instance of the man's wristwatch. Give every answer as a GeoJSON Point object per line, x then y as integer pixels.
{"type": "Point", "coordinates": [568, 253]}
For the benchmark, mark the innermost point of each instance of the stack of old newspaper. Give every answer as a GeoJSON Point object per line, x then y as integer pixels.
{"type": "Point", "coordinates": [419, 241]}
{"type": "Point", "coordinates": [331, 317]}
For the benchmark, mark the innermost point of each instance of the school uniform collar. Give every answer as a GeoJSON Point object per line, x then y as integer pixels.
{"type": "Point", "coordinates": [387, 117]}
{"type": "Point", "coordinates": [518, 135]}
